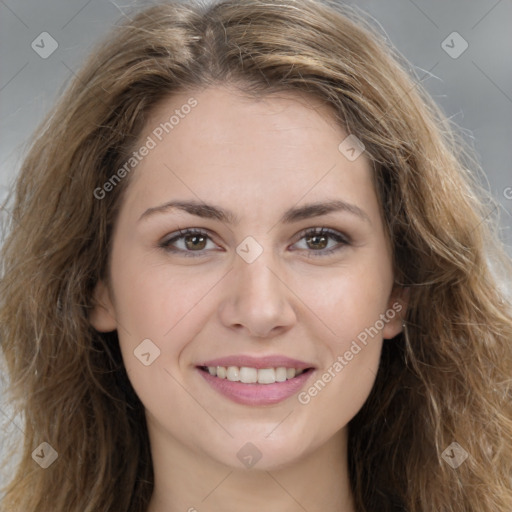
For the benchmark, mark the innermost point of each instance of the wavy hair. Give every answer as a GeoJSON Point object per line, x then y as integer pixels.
{"type": "Point", "coordinates": [446, 379]}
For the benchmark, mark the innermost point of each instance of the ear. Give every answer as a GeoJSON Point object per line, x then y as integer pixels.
{"type": "Point", "coordinates": [396, 311]}
{"type": "Point", "coordinates": [102, 317]}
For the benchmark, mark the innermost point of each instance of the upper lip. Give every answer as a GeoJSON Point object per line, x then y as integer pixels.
{"type": "Point", "coordinates": [258, 362]}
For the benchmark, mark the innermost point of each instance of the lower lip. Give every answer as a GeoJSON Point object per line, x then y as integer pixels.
{"type": "Point", "coordinates": [257, 394]}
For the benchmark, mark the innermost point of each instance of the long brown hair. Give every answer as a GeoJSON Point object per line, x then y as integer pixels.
{"type": "Point", "coordinates": [446, 379]}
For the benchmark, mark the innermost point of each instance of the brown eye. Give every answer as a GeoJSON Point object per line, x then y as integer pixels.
{"type": "Point", "coordinates": [195, 241]}
{"type": "Point", "coordinates": [318, 239]}
{"type": "Point", "coordinates": [191, 241]}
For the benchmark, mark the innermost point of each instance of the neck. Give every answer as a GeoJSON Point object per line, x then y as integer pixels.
{"type": "Point", "coordinates": [188, 481]}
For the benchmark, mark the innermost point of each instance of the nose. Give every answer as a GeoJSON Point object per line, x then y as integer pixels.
{"type": "Point", "coordinates": [258, 299]}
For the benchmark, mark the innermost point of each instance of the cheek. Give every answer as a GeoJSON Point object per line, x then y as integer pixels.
{"type": "Point", "coordinates": [340, 390]}
{"type": "Point", "coordinates": [157, 302]}
{"type": "Point", "coordinates": [351, 304]}
{"type": "Point", "coordinates": [152, 305]}
{"type": "Point", "coordinates": [348, 300]}
{"type": "Point", "coordinates": [352, 308]}
{"type": "Point", "coordinates": [153, 299]}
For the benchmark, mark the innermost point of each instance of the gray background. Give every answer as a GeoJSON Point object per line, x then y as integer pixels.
{"type": "Point", "coordinates": [475, 89]}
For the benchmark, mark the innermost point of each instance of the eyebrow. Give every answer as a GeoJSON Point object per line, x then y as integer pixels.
{"type": "Point", "coordinates": [295, 214]}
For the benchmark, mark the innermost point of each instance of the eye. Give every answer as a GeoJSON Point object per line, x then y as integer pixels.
{"type": "Point", "coordinates": [319, 239]}
{"type": "Point", "coordinates": [194, 241]}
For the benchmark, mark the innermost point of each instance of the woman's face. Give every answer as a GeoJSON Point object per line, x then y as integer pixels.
{"type": "Point", "coordinates": [252, 284]}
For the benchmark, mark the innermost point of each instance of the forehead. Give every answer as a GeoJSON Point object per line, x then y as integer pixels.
{"type": "Point", "coordinates": [225, 116]}
{"type": "Point", "coordinates": [258, 153]}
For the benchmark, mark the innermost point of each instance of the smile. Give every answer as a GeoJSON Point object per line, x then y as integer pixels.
{"type": "Point", "coordinates": [255, 386]}
{"type": "Point", "coordinates": [248, 375]}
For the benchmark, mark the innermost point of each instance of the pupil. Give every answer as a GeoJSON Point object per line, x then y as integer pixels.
{"type": "Point", "coordinates": [317, 237]}
{"type": "Point", "coordinates": [195, 238]}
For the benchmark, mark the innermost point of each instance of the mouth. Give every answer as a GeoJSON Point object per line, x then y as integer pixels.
{"type": "Point", "coordinates": [255, 387]}
{"type": "Point", "coordinates": [251, 375]}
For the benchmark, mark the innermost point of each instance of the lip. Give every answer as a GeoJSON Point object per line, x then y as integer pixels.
{"type": "Point", "coordinates": [258, 362]}
{"type": "Point", "coordinates": [257, 394]}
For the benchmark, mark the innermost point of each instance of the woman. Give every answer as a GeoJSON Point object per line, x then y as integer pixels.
{"type": "Point", "coordinates": [248, 268]}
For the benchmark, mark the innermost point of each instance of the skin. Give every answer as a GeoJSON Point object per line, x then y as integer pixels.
{"type": "Point", "coordinates": [256, 158]}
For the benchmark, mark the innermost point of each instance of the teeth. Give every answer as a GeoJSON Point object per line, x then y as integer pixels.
{"type": "Point", "coordinates": [280, 374]}
{"type": "Point", "coordinates": [233, 373]}
{"type": "Point", "coordinates": [266, 376]}
{"type": "Point", "coordinates": [249, 375]}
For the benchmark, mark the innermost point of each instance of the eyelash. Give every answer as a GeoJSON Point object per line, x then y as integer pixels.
{"type": "Point", "coordinates": [338, 237]}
